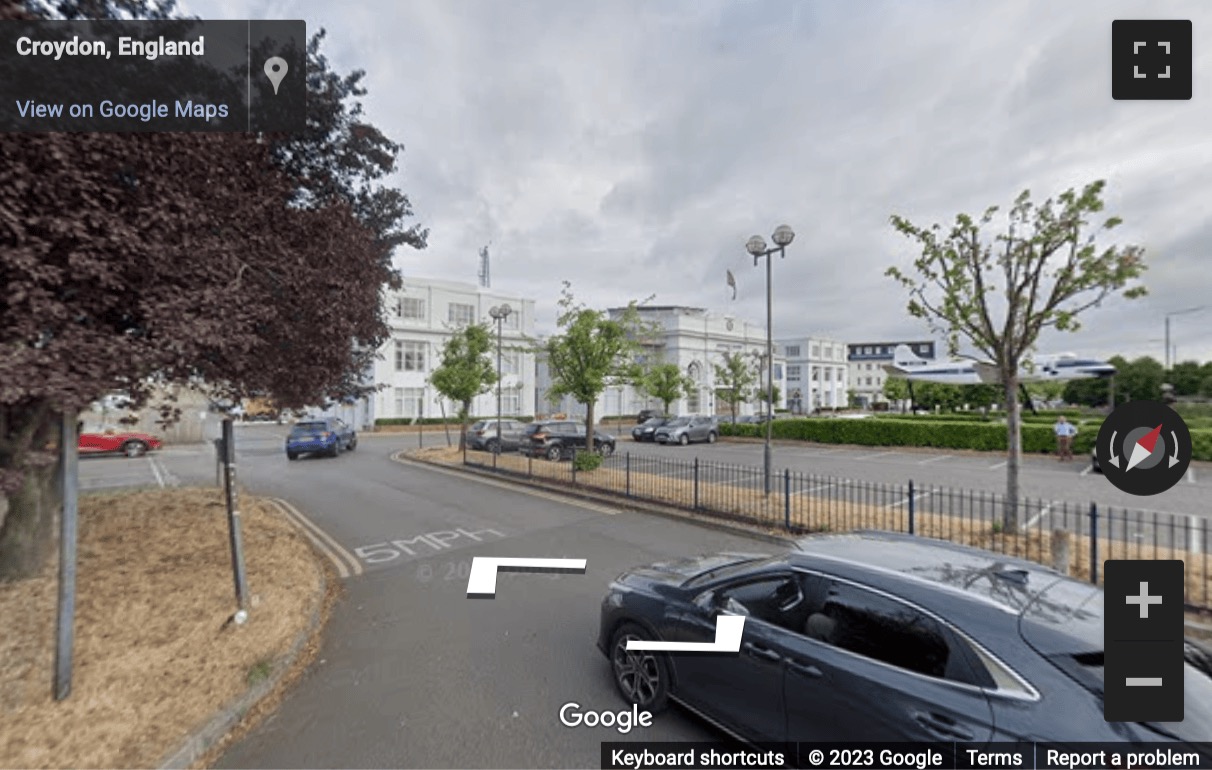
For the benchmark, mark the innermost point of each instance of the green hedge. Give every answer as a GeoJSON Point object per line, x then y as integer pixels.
{"type": "Point", "coordinates": [988, 436]}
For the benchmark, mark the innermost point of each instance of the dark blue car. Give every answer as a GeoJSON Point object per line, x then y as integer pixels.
{"type": "Point", "coordinates": [326, 435]}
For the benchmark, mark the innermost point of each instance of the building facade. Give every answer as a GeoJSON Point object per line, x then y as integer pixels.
{"type": "Point", "coordinates": [866, 361]}
{"type": "Point", "coordinates": [696, 340]}
{"type": "Point", "coordinates": [817, 375]}
{"type": "Point", "coordinates": [422, 317]}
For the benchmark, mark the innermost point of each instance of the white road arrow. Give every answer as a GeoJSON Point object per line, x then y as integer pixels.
{"type": "Point", "coordinates": [1174, 457]}
{"type": "Point", "coordinates": [482, 581]}
{"type": "Point", "coordinates": [728, 632]}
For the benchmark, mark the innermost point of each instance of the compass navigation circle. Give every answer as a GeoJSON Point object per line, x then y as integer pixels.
{"type": "Point", "coordinates": [1143, 447]}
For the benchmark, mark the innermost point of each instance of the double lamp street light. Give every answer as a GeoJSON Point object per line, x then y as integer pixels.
{"type": "Point", "coordinates": [756, 246]}
{"type": "Point", "coordinates": [499, 313]}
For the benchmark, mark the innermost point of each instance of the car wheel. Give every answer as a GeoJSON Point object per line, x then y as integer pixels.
{"type": "Point", "coordinates": [493, 446]}
{"type": "Point", "coordinates": [606, 450]}
{"type": "Point", "coordinates": [353, 444]}
{"type": "Point", "coordinates": [684, 439]}
{"type": "Point", "coordinates": [134, 449]}
{"type": "Point", "coordinates": [711, 437]}
{"type": "Point", "coordinates": [292, 455]}
{"type": "Point", "coordinates": [641, 676]}
{"type": "Point", "coordinates": [336, 449]}
{"type": "Point", "coordinates": [553, 453]}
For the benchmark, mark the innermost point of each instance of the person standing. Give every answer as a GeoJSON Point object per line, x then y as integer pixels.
{"type": "Point", "coordinates": [1065, 431]}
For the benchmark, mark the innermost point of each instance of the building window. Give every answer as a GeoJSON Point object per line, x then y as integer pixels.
{"type": "Point", "coordinates": [868, 380]}
{"type": "Point", "coordinates": [816, 351]}
{"type": "Point", "coordinates": [410, 402]}
{"type": "Point", "coordinates": [459, 314]}
{"type": "Point", "coordinates": [412, 308]}
{"type": "Point", "coordinates": [693, 402]}
{"type": "Point", "coordinates": [793, 351]}
{"type": "Point", "coordinates": [793, 372]}
{"type": "Point", "coordinates": [828, 372]}
{"type": "Point", "coordinates": [841, 375]}
{"type": "Point", "coordinates": [410, 356]}
{"type": "Point", "coordinates": [511, 402]}
{"type": "Point", "coordinates": [509, 362]}
{"type": "Point", "coordinates": [816, 374]}
{"type": "Point", "coordinates": [866, 350]}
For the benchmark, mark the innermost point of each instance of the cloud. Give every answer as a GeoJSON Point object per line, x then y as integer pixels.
{"type": "Point", "coordinates": [633, 147]}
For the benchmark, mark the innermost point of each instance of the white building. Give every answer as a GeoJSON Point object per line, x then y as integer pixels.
{"type": "Point", "coordinates": [422, 317]}
{"type": "Point", "coordinates": [696, 340]}
{"type": "Point", "coordinates": [867, 360]}
{"type": "Point", "coordinates": [817, 374]}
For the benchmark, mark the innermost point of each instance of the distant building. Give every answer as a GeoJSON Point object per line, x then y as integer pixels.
{"type": "Point", "coordinates": [866, 362]}
{"type": "Point", "coordinates": [422, 316]}
{"type": "Point", "coordinates": [696, 340]}
{"type": "Point", "coordinates": [816, 374]}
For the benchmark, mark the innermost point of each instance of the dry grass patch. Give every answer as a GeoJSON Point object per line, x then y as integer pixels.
{"type": "Point", "coordinates": [153, 660]}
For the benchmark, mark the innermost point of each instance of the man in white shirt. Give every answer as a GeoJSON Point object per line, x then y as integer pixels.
{"type": "Point", "coordinates": [1065, 431]}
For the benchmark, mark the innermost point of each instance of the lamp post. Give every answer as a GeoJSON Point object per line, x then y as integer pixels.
{"type": "Point", "coordinates": [1169, 362]}
{"type": "Point", "coordinates": [499, 314]}
{"type": "Point", "coordinates": [783, 235]}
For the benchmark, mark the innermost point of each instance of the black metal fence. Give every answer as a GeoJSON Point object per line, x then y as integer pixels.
{"type": "Point", "coordinates": [1073, 537]}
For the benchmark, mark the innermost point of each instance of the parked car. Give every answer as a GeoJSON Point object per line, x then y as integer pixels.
{"type": "Point", "coordinates": [484, 435]}
{"type": "Point", "coordinates": [881, 637]}
{"type": "Point", "coordinates": [647, 414]}
{"type": "Point", "coordinates": [326, 435]}
{"type": "Point", "coordinates": [129, 443]}
{"type": "Point", "coordinates": [686, 430]}
{"type": "Point", "coordinates": [646, 431]}
{"type": "Point", "coordinates": [558, 439]}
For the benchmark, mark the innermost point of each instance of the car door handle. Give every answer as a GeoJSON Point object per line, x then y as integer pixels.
{"type": "Point", "coordinates": [944, 725]}
{"type": "Point", "coordinates": [807, 669]}
{"type": "Point", "coordinates": [758, 651]}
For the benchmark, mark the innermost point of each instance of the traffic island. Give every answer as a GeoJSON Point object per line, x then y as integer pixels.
{"type": "Point", "coordinates": [161, 674]}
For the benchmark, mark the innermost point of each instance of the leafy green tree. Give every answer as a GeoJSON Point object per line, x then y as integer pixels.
{"type": "Point", "coordinates": [1139, 379]}
{"type": "Point", "coordinates": [895, 389]}
{"type": "Point", "coordinates": [666, 383]}
{"type": "Point", "coordinates": [1205, 387]}
{"type": "Point", "coordinates": [980, 396]}
{"type": "Point", "coordinates": [466, 370]}
{"type": "Point", "coordinates": [764, 397]}
{"type": "Point", "coordinates": [1185, 377]}
{"type": "Point", "coordinates": [1043, 270]}
{"type": "Point", "coordinates": [735, 380]}
{"type": "Point", "coordinates": [592, 352]}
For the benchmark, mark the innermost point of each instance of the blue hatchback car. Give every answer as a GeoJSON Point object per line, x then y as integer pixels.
{"type": "Point", "coordinates": [326, 435]}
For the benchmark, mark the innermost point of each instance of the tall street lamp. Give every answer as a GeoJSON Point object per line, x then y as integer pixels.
{"type": "Point", "coordinates": [1169, 362]}
{"type": "Point", "coordinates": [783, 235]}
{"type": "Point", "coordinates": [499, 314]}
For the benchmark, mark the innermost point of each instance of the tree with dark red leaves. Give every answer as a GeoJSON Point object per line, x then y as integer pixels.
{"type": "Point", "coordinates": [247, 266]}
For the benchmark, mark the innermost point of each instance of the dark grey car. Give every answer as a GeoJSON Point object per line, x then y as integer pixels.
{"type": "Point", "coordinates": [688, 430]}
{"type": "Point", "coordinates": [880, 637]}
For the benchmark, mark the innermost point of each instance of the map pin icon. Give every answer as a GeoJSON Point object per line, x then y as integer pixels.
{"type": "Point", "coordinates": [275, 70]}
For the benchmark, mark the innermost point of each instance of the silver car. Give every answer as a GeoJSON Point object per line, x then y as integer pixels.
{"type": "Point", "coordinates": [686, 430]}
{"type": "Point", "coordinates": [483, 435]}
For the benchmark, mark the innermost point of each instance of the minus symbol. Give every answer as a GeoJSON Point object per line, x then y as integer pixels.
{"type": "Point", "coordinates": [1144, 681]}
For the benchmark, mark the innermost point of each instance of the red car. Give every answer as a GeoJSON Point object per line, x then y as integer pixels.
{"type": "Point", "coordinates": [129, 444]}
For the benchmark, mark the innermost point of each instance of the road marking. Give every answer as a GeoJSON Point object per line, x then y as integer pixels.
{"type": "Point", "coordinates": [402, 460]}
{"type": "Point", "coordinates": [1087, 470]}
{"type": "Point", "coordinates": [156, 472]}
{"type": "Point", "coordinates": [331, 547]}
{"type": "Point", "coordinates": [482, 582]}
{"type": "Point", "coordinates": [1042, 513]}
{"type": "Point", "coordinates": [1195, 544]}
{"type": "Point", "coordinates": [933, 459]}
{"type": "Point", "coordinates": [728, 632]}
{"type": "Point", "coordinates": [1190, 475]}
{"type": "Point", "coordinates": [916, 496]}
{"type": "Point", "coordinates": [813, 488]}
{"type": "Point", "coordinates": [1002, 464]}
{"type": "Point", "coordinates": [877, 454]}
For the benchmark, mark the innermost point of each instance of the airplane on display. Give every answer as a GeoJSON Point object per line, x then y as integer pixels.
{"type": "Point", "coordinates": [1058, 367]}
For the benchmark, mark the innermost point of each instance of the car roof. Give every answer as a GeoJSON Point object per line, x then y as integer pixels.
{"type": "Point", "coordinates": [986, 593]}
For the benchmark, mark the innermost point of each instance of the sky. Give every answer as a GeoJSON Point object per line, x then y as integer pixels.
{"type": "Point", "coordinates": [632, 148]}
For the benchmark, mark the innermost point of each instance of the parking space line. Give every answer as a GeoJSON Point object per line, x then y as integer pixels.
{"type": "Point", "coordinates": [1087, 470]}
{"type": "Point", "coordinates": [814, 488]}
{"type": "Point", "coordinates": [155, 472]}
{"type": "Point", "coordinates": [1195, 542]}
{"type": "Point", "coordinates": [933, 460]}
{"type": "Point", "coordinates": [1042, 513]}
{"type": "Point", "coordinates": [566, 500]}
{"type": "Point", "coordinates": [877, 454]}
{"type": "Point", "coordinates": [1002, 464]}
{"type": "Point", "coordinates": [916, 496]}
{"type": "Point", "coordinates": [330, 547]}
{"type": "Point", "coordinates": [1190, 475]}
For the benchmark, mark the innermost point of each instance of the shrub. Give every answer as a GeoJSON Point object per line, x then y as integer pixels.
{"type": "Point", "coordinates": [587, 461]}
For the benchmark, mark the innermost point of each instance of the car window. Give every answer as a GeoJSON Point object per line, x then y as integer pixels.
{"type": "Point", "coordinates": [881, 628]}
{"type": "Point", "coordinates": [309, 427]}
{"type": "Point", "coordinates": [777, 600]}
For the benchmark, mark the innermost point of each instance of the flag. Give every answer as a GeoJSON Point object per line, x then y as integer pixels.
{"type": "Point", "coordinates": [732, 283]}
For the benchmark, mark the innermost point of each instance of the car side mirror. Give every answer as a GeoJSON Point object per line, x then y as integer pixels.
{"type": "Point", "coordinates": [708, 601]}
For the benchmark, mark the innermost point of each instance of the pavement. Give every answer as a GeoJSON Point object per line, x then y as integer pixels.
{"type": "Point", "coordinates": [413, 673]}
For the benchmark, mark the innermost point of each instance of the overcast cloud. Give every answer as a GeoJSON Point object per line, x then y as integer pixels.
{"type": "Point", "coordinates": [633, 147]}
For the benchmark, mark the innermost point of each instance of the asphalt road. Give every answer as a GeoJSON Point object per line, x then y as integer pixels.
{"type": "Point", "coordinates": [415, 674]}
